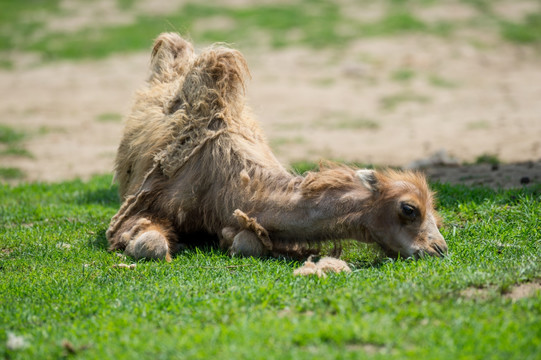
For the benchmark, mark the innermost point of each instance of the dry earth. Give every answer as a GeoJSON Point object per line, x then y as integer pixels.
{"type": "Point", "coordinates": [385, 101]}
{"type": "Point", "coordinates": [514, 293]}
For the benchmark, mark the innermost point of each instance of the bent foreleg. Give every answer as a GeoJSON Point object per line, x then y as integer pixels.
{"type": "Point", "coordinates": [251, 240]}
{"type": "Point", "coordinates": [142, 238]}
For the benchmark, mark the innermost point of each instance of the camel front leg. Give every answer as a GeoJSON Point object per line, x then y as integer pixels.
{"type": "Point", "coordinates": [246, 243]}
{"type": "Point", "coordinates": [250, 240]}
{"type": "Point", "coordinates": [142, 238]}
{"type": "Point", "coordinates": [241, 242]}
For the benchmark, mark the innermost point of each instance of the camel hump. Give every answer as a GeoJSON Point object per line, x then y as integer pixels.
{"type": "Point", "coordinates": [226, 68]}
{"type": "Point", "coordinates": [216, 81]}
{"type": "Point", "coordinates": [170, 56]}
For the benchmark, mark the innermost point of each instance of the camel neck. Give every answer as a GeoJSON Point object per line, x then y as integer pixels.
{"type": "Point", "coordinates": [307, 210]}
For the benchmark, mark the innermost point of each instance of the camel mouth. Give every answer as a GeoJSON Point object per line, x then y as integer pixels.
{"type": "Point", "coordinates": [434, 250]}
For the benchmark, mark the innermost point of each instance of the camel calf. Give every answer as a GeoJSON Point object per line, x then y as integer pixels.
{"type": "Point", "coordinates": [194, 164]}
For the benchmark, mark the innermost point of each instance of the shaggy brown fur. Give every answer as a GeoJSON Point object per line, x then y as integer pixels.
{"type": "Point", "coordinates": [192, 160]}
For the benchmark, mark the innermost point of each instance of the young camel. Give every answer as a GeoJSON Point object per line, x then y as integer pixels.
{"type": "Point", "coordinates": [193, 162]}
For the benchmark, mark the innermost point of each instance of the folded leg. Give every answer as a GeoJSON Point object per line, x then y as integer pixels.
{"type": "Point", "coordinates": [142, 238]}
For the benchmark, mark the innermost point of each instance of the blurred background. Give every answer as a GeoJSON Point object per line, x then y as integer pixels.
{"type": "Point", "coordinates": [388, 82]}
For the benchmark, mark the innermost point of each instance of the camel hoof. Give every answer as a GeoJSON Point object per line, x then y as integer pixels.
{"type": "Point", "coordinates": [149, 245]}
{"type": "Point", "coordinates": [246, 243]}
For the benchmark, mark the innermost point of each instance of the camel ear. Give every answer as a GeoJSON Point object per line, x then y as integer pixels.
{"type": "Point", "coordinates": [168, 54]}
{"type": "Point", "coordinates": [368, 178]}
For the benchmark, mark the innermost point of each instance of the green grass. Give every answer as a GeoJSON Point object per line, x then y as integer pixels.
{"type": "Point", "coordinates": [8, 135]}
{"type": "Point", "coordinates": [487, 159]}
{"type": "Point", "coordinates": [60, 292]}
{"type": "Point", "coordinates": [10, 173]}
{"type": "Point", "coordinates": [10, 145]}
{"type": "Point", "coordinates": [403, 75]}
{"type": "Point", "coordinates": [528, 31]}
{"type": "Point", "coordinates": [109, 117]}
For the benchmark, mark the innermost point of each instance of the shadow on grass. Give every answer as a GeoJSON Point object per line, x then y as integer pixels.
{"type": "Point", "coordinates": [100, 196]}
{"type": "Point", "coordinates": [100, 240]}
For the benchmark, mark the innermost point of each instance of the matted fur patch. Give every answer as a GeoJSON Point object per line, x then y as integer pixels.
{"type": "Point", "coordinates": [322, 267]}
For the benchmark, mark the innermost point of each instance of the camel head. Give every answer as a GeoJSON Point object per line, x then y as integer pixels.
{"type": "Point", "coordinates": [402, 218]}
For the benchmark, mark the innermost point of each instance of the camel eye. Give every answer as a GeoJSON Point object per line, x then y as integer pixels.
{"type": "Point", "coordinates": [409, 211]}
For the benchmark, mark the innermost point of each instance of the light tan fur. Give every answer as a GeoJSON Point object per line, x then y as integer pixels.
{"type": "Point", "coordinates": [322, 267]}
{"type": "Point", "coordinates": [193, 162]}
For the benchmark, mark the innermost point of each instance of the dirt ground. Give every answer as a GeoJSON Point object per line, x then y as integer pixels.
{"type": "Point", "coordinates": [384, 101]}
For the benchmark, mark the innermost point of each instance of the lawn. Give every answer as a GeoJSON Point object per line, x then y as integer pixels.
{"type": "Point", "coordinates": [61, 296]}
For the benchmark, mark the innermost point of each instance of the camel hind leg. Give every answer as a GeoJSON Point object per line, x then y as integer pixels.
{"type": "Point", "coordinates": [142, 238]}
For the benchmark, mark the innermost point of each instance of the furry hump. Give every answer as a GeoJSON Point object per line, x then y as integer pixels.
{"type": "Point", "coordinates": [187, 100]}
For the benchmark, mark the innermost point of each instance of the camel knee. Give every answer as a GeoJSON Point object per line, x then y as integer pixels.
{"type": "Point", "coordinates": [150, 244]}
{"type": "Point", "coordinates": [246, 243]}
{"type": "Point", "coordinates": [142, 238]}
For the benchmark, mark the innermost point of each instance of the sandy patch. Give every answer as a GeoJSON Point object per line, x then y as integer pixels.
{"type": "Point", "coordinates": [524, 290]}
{"type": "Point", "coordinates": [445, 11]}
{"type": "Point", "coordinates": [93, 14]}
{"type": "Point", "coordinates": [475, 293]}
{"type": "Point", "coordinates": [59, 106]}
{"type": "Point", "coordinates": [488, 104]}
{"type": "Point", "coordinates": [516, 292]}
{"type": "Point", "coordinates": [515, 10]}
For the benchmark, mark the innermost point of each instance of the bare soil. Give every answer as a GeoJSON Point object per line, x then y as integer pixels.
{"type": "Point", "coordinates": [384, 101]}
{"type": "Point", "coordinates": [524, 290]}
{"type": "Point", "coordinates": [516, 292]}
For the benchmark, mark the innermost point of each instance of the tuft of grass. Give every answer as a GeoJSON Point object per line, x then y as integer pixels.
{"type": "Point", "coordinates": [391, 102]}
{"type": "Point", "coordinates": [109, 117]}
{"type": "Point", "coordinates": [8, 135]}
{"type": "Point", "coordinates": [361, 123]}
{"type": "Point", "coordinates": [16, 151]}
{"type": "Point", "coordinates": [340, 120]}
{"type": "Point", "coordinates": [483, 6]}
{"type": "Point", "coordinates": [6, 64]}
{"type": "Point", "coordinates": [442, 82]}
{"type": "Point", "coordinates": [10, 142]}
{"type": "Point", "coordinates": [281, 141]}
{"type": "Point", "coordinates": [403, 75]}
{"type": "Point", "coordinates": [125, 4]}
{"type": "Point", "coordinates": [478, 125]}
{"type": "Point", "coordinates": [11, 173]}
{"type": "Point", "coordinates": [60, 292]}
{"type": "Point", "coordinates": [526, 32]}
{"type": "Point", "coordinates": [491, 159]}
{"type": "Point", "coordinates": [394, 22]}
{"type": "Point", "coordinates": [324, 81]}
